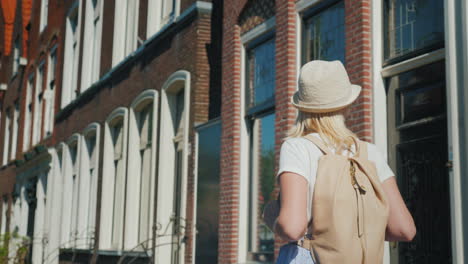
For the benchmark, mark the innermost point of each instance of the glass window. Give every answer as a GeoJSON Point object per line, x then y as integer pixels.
{"type": "Point", "coordinates": [16, 120]}
{"type": "Point", "coordinates": [325, 34]}
{"type": "Point", "coordinates": [28, 113]}
{"type": "Point", "coordinates": [6, 139]}
{"type": "Point", "coordinates": [44, 12]}
{"type": "Point", "coordinates": [49, 94]}
{"type": "Point", "coordinates": [16, 55]}
{"type": "Point", "coordinates": [38, 104]}
{"type": "Point", "coordinates": [412, 25]}
{"type": "Point", "coordinates": [261, 123]}
{"type": "Point", "coordinates": [145, 127]}
{"type": "Point", "coordinates": [209, 140]}
{"type": "Point", "coordinates": [260, 74]}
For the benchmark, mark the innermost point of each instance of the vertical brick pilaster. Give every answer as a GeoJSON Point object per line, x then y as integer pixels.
{"type": "Point", "coordinates": [359, 64]}
{"type": "Point", "coordinates": [230, 142]}
{"type": "Point", "coordinates": [286, 80]}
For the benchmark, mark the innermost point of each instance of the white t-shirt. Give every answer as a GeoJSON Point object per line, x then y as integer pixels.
{"type": "Point", "coordinates": [300, 156]}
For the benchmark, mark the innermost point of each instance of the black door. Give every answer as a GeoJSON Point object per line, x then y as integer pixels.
{"type": "Point", "coordinates": [418, 155]}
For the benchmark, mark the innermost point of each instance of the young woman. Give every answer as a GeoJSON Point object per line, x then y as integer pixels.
{"type": "Point", "coordinates": [324, 95]}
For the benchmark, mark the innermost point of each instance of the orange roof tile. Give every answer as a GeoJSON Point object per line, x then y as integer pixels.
{"type": "Point", "coordinates": [8, 9]}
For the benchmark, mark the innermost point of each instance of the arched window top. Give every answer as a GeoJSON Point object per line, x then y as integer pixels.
{"type": "Point", "coordinates": [73, 139]}
{"type": "Point", "coordinates": [177, 81]}
{"type": "Point", "coordinates": [116, 115]}
{"type": "Point", "coordinates": [91, 128]}
{"type": "Point", "coordinates": [144, 98]}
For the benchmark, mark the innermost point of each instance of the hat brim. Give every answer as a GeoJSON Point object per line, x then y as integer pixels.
{"type": "Point", "coordinates": [355, 91]}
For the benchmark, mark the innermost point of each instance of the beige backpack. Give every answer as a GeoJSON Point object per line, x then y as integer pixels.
{"type": "Point", "coordinates": [349, 209]}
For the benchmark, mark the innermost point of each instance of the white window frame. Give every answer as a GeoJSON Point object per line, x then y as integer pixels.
{"type": "Point", "coordinates": [111, 224]}
{"type": "Point", "coordinates": [6, 138]}
{"type": "Point", "coordinates": [92, 43]}
{"type": "Point", "coordinates": [244, 178]}
{"type": "Point", "coordinates": [70, 175]}
{"type": "Point", "coordinates": [125, 29]}
{"type": "Point", "coordinates": [38, 103]}
{"type": "Point", "coordinates": [155, 22]}
{"type": "Point", "coordinates": [44, 14]}
{"type": "Point", "coordinates": [178, 80]}
{"type": "Point", "coordinates": [28, 113]}
{"type": "Point", "coordinates": [16, 56]}
{"type": "Point", "coordinates": [71, 55]}
{"type": "Point", "coordinates": [49, 93]}
{"type": "Point", "coordinates": [89, 166]}
{"type": "Point", "coordinates": [14, 135]}
{"type": "Point", "coordinates": [138, 230]}
{"type": "Point", "coordinates": [40, 217]}
{"type": "Point", "coordinates": [3, 226]}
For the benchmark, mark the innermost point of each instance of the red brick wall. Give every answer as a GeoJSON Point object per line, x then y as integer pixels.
{"type": "Point", "coordinates": [230, 137]}
{"type": "Point", "coordinates": [359, 64]}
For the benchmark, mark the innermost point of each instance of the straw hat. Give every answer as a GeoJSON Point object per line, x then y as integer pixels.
{"type": "Point", "coordinates": [324, 86]}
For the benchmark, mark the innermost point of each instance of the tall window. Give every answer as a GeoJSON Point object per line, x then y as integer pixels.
{"type": "Point", "coordinates": [7, 134]}
{"type": "Point", "coordinates": [164, 13]}
{"type": "Point", "coordinates": [44, 13]}
{"type": "Point", "coordinates": [145, 127]}
{"type": "Point", "coordinates": [260, 119]}
{"type": "Point", "coordinates": [92, 46]}
{"type": "Point", "coordinates": [125, 29]}
{"type": "Point", "coordinates": [114, 181]}
{"type": "Point", "coordinates": [49, 94]}
{"type": "Point", "coordinates": [91, 195]}
{"type": "Point", "coordinates": [14, 135]}
{"type": "Point", "coordinates": [72, 42]}
{"type": "Point", "coordinates": [3, 227]}
{"type": "Point", "coordinates": [28, 113]}
{"type": "Point", "coordinates": [74, 169]}
{"type": "Point", "coordinates": [16, 55]}
{"type": "Point", "coordinates": [325, 34]}
{"type": "Point", "coordinates": [39, 96]}
{"type": "Point", "coordinates": [412, 27]}
{"type": "Point", "coordinates": [119, 177]}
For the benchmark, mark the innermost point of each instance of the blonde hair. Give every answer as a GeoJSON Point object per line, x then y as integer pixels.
{"type": "Point", "coordinates": [330, 126]}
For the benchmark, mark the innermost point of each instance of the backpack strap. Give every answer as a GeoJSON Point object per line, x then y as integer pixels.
{"type": "Point", "coordinates": [319, 143]}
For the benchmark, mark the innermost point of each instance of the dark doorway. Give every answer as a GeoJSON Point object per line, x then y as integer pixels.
{"type": "Point", "coordinates": [417, 129]}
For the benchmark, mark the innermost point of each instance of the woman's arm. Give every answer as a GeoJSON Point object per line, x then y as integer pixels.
{"type": "Point", "coordinates": [400, 226]}
{"type": "Point", "coordinates": [291, 224]}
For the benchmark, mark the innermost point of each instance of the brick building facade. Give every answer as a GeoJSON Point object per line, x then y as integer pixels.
{"type": "Point", "coordinates": [91, 88]}
{"type": "Point", "coordinates": [149, 130]}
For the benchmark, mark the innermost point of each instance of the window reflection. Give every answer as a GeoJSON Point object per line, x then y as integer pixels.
{"type": "Point", "coordinates": [260, 73]}
{"type": "Point", "coordinates": [209, 139]}
{"type": "Point", "coordinates": [260, 119]}
{"type": "Point", "coordinates": [262, 182]}
{"type": "Point", "coordinates": [412, 25]}
{"type": "Point", "coordinates": [325, 34]}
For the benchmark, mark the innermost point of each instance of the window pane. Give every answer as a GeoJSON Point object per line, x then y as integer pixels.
{"type": "Point", "coordinates": [325, 35]}
{"type": "Point", "coordinates": [208, 194]}
{"type": "Point", "coordinates": [262, 185]}
{"type": "Point", "coordinates": [412, 25]}
{"type": "Point", "coordinates": [261, 73]}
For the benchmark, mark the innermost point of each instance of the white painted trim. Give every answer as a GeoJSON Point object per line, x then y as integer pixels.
{"type": "Point", "coordinates": [453, 68]}
{"type": "Point", "coordinates": [379, 95]}
{"type": "Point", "coordinates": [414, 63]}
{"type": "Point", "coordinates": [149, 94]}
{"type": "Point", "coordinates": [259, 30]}
{"type": "Point", "coordinates": [107, 239]}
{"type": "Point", "coordinates": [302, 5]}
{"type": "Point", "coordinates": [134, 162]}
{"type": "Point", "coordinates": [195, 194]}
{"type": "Point", "coordinates": [178, 80]}
{"type": "Point", "coordinates": [243, 170]}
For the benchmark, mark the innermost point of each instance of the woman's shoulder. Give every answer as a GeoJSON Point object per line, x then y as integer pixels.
{"type": "Point", "coordinates": [299, 144]}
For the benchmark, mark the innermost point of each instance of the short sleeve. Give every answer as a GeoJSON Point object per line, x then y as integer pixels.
{"type": "Point", "coordinates": [383, 170]}
{"type": "Point", "coordinates": [294, 158]}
